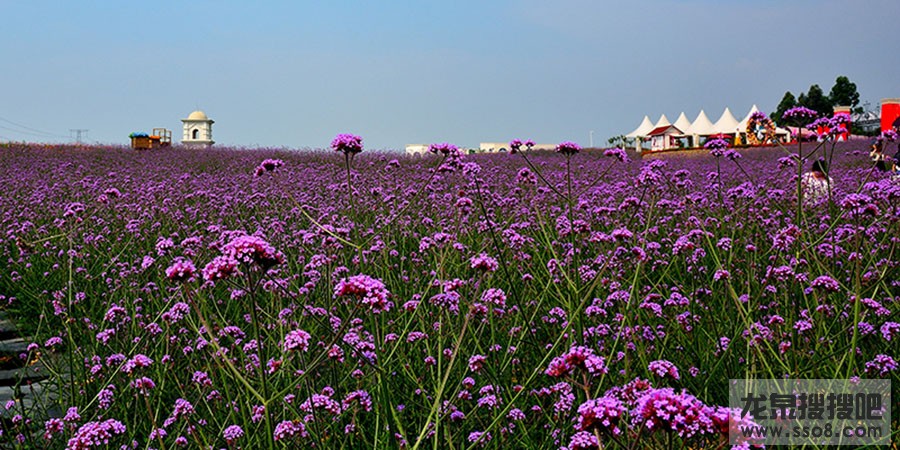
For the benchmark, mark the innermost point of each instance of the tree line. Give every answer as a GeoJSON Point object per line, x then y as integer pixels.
{"type": "Point", "coordinates": [843, 93]}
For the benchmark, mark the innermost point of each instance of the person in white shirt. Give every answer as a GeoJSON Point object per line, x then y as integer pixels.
{"type": "Point", "coordinates": [816, 183]}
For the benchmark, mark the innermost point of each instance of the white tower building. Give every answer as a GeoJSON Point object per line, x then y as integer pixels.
{"type": "Point", "coordinates": [197, 130]}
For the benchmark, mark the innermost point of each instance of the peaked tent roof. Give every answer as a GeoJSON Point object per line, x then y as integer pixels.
{"type": "Point", "coordinates": [701, 126]}
{"type": "Point", "coordinates": [662, 122]}
{"type": "Point", "coordinates": [726, 124]}
{"type": "Point", "coordinates": [743, 124]}
{"type": "Point", "coordinates": [642, 129]}
{"type": "Point", "coordinates": [753, 109]}
{"type": "Point", "coordinates": [682, 123]}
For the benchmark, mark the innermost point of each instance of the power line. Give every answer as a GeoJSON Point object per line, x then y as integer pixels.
{"type": "Point", "coordinates": [33, 131]}
{"type": "Point", "coordinates": [43, 135]}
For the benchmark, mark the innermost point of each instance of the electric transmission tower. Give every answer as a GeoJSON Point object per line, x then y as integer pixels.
{"type": "Point", "coordinates": [79, 133]}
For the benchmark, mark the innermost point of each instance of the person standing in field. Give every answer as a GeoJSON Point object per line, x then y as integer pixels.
{"type": "Point", "coordinates": [895, 171]}
{"type": "Point", "coordinates": [816, 183]}
{"type": "Point", "coordinates": [877, 154]}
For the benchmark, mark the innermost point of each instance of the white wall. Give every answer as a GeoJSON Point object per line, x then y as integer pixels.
{"type": "Point", "coordinates": [493, 147]}
{"type": "Point", "coordinates": [416, 149]}
{"type": "Point", "coordinates": [204, 132]}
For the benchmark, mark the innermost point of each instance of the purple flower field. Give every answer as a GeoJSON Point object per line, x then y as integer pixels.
{"type": "Point", "coordinates": [234, 298]}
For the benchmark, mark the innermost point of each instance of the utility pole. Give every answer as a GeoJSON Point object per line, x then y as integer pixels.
{"type": "Point", "coordinates": [592, 139]}
{"type": "Point", "coordinates": [79, 132]}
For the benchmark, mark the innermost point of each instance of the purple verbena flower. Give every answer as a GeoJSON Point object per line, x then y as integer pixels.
{"type": "Point", "coordinates": [881, 365]}
{"type": "Point", "coordinates": [95, 434]}
{"type": "Point", "coordinates": [348, 144]}
{"type": "Point", "coordinates": [731, 155]}
{"type": "Point", "coordinates": [663, 368]}
{"type": "Point", "coordinates": [617, 153]}
{"type": "Point", "coordinates": [445, 149]}
{"type": "Point", "coordinates": [53, 427]}
{"type": "Point", "coordinates": [233, 433]}
{"type": "Point", "coordinates": [139, 360]}
{"type": "Point", "coordinates": [494, 297]}
{"type": "Point", "coordinates": [664, 410]}
{"type": "Point", "coordinates": [515, 145]}
{"type": "Point", "coordinates": [143, 385]}
{"type": "Point", "coordinates": [826, 283]}
{"type": "Point", "coordinates": [716, 146]}
{"type": "Point", "coordinates": [476, 362]}
{"type": "Point", "coordinates": [288, 429]}
{"type": "Point", "coordinates": [758, 116]}
{"type": "Point", "coordinates": [252, 249]}
{"type": "Point", "coordinates": [484, 262]}
{"type": "Point", "coordinates": [601, 414]}
{"type": "Point", "coordinates": [362, 398]}
{"type": "Point", "coordinates": [296, 340]}
{"type": "Point", "coordinates": [271, 164]}
{"type": "Point", "coordinates": [220, 267]}
{"type": "Point", "coordinates": [181, 270]}
{"type": "Point", "coordinates": [577, 357]}
{"type": "Point", "coordinates": [182, 408]}
{"type": "Point", "coordinates": [583, 440]}
{"type": "Point", "coordinates": [568, 148]}
{"type": "Point", "coordinates": [889, 330]}
{"type": "Point", "coordinates": [799, 115]}
{"type": "Point", "coordinates": [370, 291]}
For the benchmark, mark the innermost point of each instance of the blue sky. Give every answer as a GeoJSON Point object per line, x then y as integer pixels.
{"type": "Point", "coordinates": [296, 73]}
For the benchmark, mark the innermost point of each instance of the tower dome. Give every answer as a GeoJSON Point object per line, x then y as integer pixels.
{"type": "Point", "coordinates": [198, 115]}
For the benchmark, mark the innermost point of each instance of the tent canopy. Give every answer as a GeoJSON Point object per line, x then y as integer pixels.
{"type": "Point", "coordinates": [682, 123]}
{"type": "Point", "coordinates": [662, 122]}
{"type": "Point", "coordinates": [726, 124]}
{"type": "Point", "coordinates": [701, 126]}
{"type": "Point", "coordinates": [642, 129]}
{"type": "Point", "coordinates": [743, 124]}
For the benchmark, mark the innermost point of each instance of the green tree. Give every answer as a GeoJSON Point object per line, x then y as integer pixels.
{"type": "Point", "coordinates": [787, 102]}
{"type": "Point", "coordinates": [617, 141]}
{"type": "Point", "coordinates": [816, 100]}
{"type": "Point", "coordinates": [844, 93]}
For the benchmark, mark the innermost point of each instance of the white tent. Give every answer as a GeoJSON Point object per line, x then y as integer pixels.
{"type": "Point", "coordinates": [682, 123]}
{"type": "Point", "coordinates": [701, 126]}
{"type": "Point", "coordinates": [645, 127]}
{"type": "Point", "coordinates": [743, 124]}
{"type": "Point", "coordinates": [662, 122]}
{"type": "Point", "coordinates": [726, 124]}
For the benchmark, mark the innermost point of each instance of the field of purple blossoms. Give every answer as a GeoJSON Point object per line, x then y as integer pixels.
{"type": "Point", "coordinates": [229, 298]}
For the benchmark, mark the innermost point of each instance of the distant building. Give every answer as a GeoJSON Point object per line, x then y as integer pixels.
{"type": "Point", "coordinates": [484, 147]}
{"type": "Point", "coordinates": [664, 137]}
{"type": "Point", "coordinates": [503, 147]}
{"type": "Point", "coordinates": [867, 121]}
{"type": "Point", "coordinates": [416, 149]}
{"type": "Point", "coordinates": [197, 130]}
{"type": "Point", "coordinates": [493, 147]}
